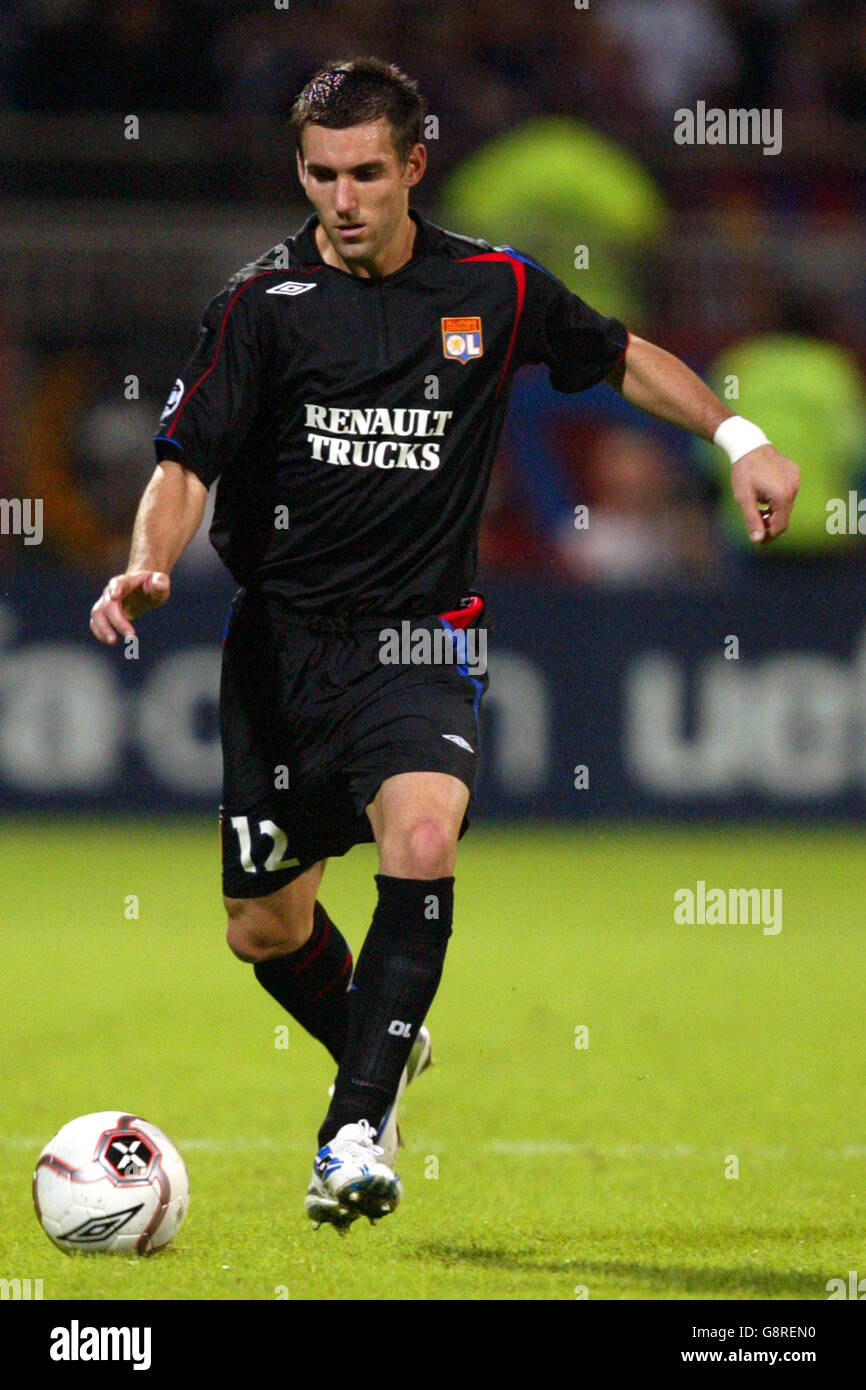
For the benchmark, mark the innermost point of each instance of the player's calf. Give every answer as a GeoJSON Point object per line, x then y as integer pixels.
{"type": "Point", "coordinates": [275, 924]}
{"type": "Point", "coordinates": [299, 956]}
{"type": "Point", "coordinates": [397, 975]}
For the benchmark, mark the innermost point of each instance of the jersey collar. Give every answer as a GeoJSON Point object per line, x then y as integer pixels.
{"type": "Point", "coordinates": [307, 252]}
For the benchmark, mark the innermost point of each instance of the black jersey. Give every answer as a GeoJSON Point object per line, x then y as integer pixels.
{"type": "Point", "coordinates": [352, 422]}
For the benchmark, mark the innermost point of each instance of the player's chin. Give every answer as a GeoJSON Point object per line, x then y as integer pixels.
{"type": "Point", "coordinates": [349, 246]}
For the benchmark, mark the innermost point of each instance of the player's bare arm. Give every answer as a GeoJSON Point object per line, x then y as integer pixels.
{"type": "Point", "coordinates": [168, 517]}
{"type": "Point", "coordinates": [764, 482]}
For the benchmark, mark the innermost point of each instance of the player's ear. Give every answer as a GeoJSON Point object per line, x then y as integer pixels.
{"type": "Point", "coordinates": [300, 166]}
{"type": "Point", "coordinates": [415, 164]}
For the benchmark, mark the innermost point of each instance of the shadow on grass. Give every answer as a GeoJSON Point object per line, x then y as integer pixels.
{"type": "Point", "coordinates": [655, 1278]}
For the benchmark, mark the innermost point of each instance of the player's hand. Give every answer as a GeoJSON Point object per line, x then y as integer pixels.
{"type": "Point", "coordinates": [125, 597]}
{"type": "Point", "coordinates": [765, 483]}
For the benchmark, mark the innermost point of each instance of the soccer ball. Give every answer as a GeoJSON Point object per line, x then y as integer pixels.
{"type": "Point", "coordinates": [110, 1181]}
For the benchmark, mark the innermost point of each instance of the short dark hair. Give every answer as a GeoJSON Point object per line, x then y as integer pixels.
{"type": "Point", "coordinates": [359, 90]}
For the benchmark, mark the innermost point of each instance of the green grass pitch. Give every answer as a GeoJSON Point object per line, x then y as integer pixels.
{"type": "Point", "coordinates": [535, 1168]}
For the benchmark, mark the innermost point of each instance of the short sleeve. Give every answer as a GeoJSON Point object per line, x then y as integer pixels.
{"type": "Point", "coordinates": [578, 344]}
{"type": "Point", "coordinates": [214, 401]}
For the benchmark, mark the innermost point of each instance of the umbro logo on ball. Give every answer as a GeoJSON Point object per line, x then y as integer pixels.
{"type": "Point", "coordinates": [293, 287]}
{"type": "Point", "coordinates": [100, 1228]}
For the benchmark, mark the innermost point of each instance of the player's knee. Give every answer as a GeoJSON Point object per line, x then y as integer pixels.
{"type": "Point", "coordinates": [426, 849]}
{"type": "Point", "coordinates": [255, 934]}
{"type": "Point", "coordinates": [241, 943]}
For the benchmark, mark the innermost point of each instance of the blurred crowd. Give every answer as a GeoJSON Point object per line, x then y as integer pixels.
{"type": "Point", "coordinates": [549, 115]}
{"type": "Point", "coordinates": [484, 65]}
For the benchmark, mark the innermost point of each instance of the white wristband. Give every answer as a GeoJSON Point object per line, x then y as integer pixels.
{"type": "Point", "coordinates": [738, 436]}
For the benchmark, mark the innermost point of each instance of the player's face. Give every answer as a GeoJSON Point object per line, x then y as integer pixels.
{"type": "Point", "coordinates": [359, 188]}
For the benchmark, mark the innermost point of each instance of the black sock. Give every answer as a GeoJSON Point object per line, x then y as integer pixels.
{"type": "Point", "coordinates": [396, 978]}
{"type": "Point", "coordinates": [312, 983]}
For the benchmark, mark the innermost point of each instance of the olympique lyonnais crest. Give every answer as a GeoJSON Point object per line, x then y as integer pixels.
{"type": "Point", "coordinates": [461, 339]}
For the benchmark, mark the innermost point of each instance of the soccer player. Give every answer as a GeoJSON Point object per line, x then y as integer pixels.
{"type": "Point", "coordinates": [348, 390]}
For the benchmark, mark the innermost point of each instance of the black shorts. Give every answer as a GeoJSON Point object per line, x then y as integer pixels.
{"type": "Point", "coordinates": [313, 721]}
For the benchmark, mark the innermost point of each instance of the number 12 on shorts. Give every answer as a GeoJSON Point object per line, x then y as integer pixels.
{"type": "Point", "coordinates": [268, 828]}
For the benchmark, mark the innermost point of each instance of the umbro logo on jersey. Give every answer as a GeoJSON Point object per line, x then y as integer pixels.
{"type": "Point", "coordinates": [461, 742]}
{"type": "Point", "coordinates": [292, 287]}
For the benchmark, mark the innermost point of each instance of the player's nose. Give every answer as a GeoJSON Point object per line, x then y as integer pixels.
{"type": "Point", "coordinates": [344, 196]}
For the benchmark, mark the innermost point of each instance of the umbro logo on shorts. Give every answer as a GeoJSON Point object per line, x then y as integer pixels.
{"type": "Point", "coordinates": [292, 287]}
{"type": "Point", "coordinates": [461, 742]}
